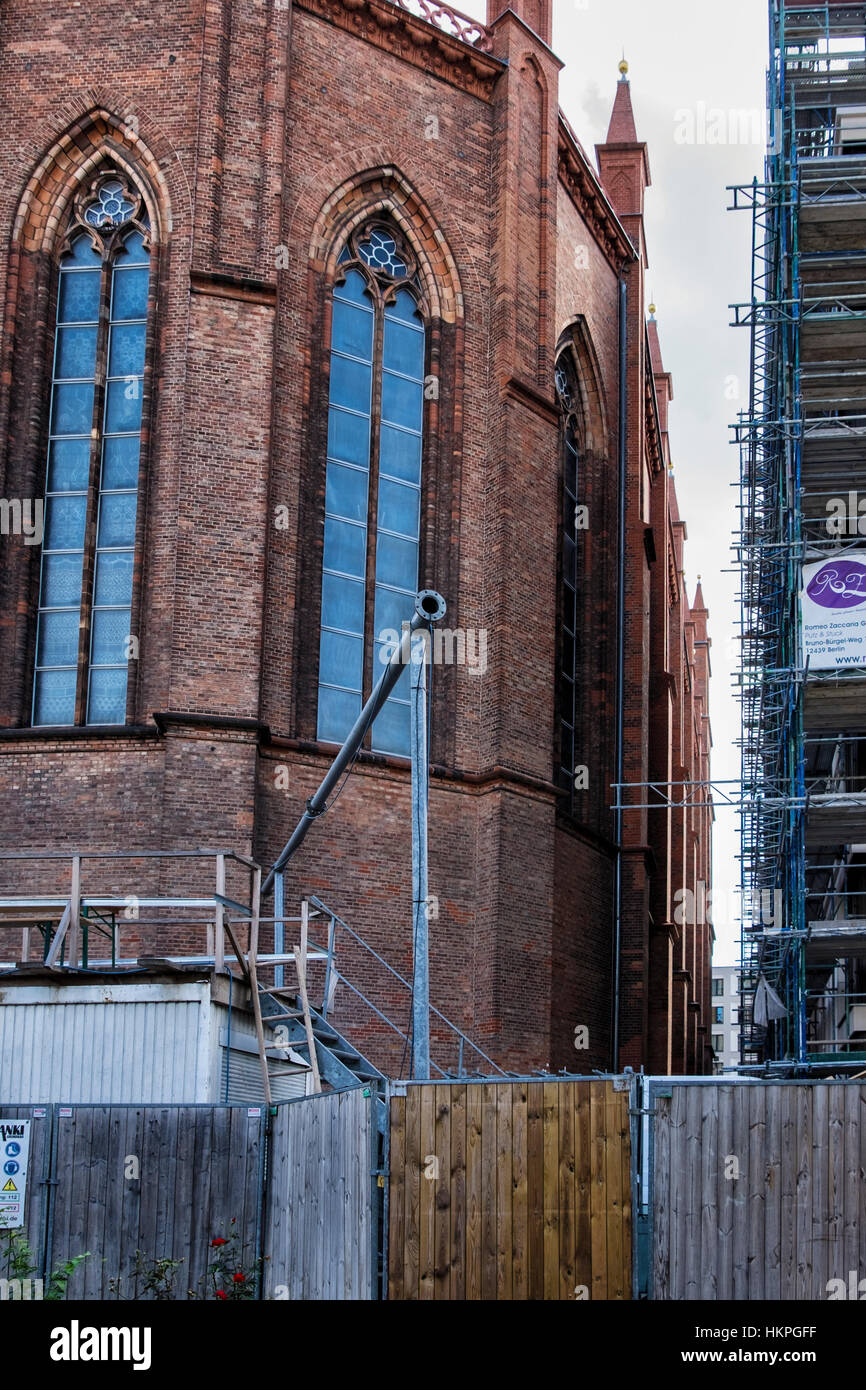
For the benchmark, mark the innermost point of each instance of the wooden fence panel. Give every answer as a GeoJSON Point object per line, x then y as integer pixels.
{"type": "Point", "coordinates": [163, 1180]}
{"type": "Point", "coordinates": [516, 1191]}
{"type": "Point", "coordinates": [757, 1190]}
{"type": "Point", "coordinates": [319, 1229]}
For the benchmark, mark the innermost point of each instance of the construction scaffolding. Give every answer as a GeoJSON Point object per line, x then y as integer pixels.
{"type": "Point", "coordinates": [802, 439]}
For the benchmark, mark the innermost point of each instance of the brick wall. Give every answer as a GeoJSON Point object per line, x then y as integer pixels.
{"type": "Point", "coordinates": [261, 135]}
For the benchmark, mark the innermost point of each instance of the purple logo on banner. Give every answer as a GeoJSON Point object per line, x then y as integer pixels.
{"type": "Point", "coordinates": [839, 584]}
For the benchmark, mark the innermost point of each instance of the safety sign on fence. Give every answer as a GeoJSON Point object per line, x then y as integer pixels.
{"type": "Point", "coordinates": [14, 1149]}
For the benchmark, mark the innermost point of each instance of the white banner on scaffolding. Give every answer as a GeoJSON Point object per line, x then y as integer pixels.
{"type": "Point", "coordinates": [833, 605]}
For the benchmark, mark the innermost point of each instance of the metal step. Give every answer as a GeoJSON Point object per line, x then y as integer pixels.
{"type": "Point", "coordinates": [341, 1065]}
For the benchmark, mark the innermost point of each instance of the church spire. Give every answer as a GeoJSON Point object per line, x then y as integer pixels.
{"type": "Point", "coordinates": [622, 130]}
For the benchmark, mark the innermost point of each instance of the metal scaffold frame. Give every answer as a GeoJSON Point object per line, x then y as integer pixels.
{"type": "Point", "coordinates": [800, 289]}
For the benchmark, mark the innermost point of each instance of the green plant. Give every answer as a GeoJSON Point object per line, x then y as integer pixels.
{"type": "Point", "coordinates": [20, 1264]}
{"type": "Point", "coordinates": [55, 1288]}
{"type": "Point", "coordinates": [152, 1279]}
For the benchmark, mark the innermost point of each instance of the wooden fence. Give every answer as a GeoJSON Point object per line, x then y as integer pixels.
{"type": "Point", "coordinates": [758, 1189]}
{"type": "Point", "coordinates": [516, 1190]}
{"type": "Point", "coordinates": [322, 1236]}
{"type": "Point", "coordinates": [168, 1180]}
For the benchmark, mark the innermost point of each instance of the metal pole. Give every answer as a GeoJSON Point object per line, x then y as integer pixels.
{"type": "Point", "coordinates": [279, 929]}
{"type": "Point", "coordinates": [620, 660]}
{"type": "Point", "coordinates": [429, 608]}
{"type": "Point", "coordinates": [418, 753]}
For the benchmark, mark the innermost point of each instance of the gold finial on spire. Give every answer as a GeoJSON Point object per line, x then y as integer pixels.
{"type": "Point", "coordinates": [623, 66]}
{"type": "Point", "coordinates": [652, 309]}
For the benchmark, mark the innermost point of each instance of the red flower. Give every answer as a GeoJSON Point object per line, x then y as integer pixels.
{"type": "Point", "coordinates": [234, 1219]}
{"type": "Point", "coordinates": [219, 1241]}
{"type": "Point", "coordinates": [238, 1278]}
{"type": "Point", "coordinates": [220, 1293]}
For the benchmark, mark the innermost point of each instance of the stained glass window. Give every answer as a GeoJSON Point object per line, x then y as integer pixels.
{"type": "Point", "coordinates": [372, 489]}
{"type": "Point", "coordinates": [83, 630]}
{"type": "Point", "coordinates": [568, 636]}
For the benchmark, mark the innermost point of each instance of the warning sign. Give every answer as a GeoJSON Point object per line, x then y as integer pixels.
{"type": "Point", "coordinates": [14, 1149]}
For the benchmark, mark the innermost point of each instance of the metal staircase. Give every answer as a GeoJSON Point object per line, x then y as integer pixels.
{"type": "Point", "coordinates": [337, 1062]}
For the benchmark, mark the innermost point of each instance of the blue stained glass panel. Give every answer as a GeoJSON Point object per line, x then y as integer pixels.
{"type": "Point", "coordinates": [61, 580]}
{"type": "Point", "coordinates": [64, 523]}
{"type": "Point", "coordinates": [123, 405]}
{"type": "Point", "coordinates": [403, 349]}
{"type": "Point", "coordinates": [400, 454]}
{"type": "Point", "coordinates": [354, 288]}
{"type": "Point", "coordinates": [346, 492]}
{"type": "Point", "coordinates": [399, 507]}
{"type": "Point", "coordinates": [133, 252]}
{"type": "Point", "coordinates": [353, 330]}
{"type": "Point", "coordinates": [391, 729]}
{"type": "Point", "coordinates": [351, 383]}
{"type": "Point", "coordinates": [54, 701]}
{"type": "Point", "coordinates": [107, 698]}
{"type": "Point", "coordinates": [78, 296]}
{"type": "Point", "coordinates": [345, 547]}
{"type": "Point", "coordinates": [402, 401]}
{"type": "Point", "coordinates": [396, 562]}
{"type": "Point", "coordinates": [110, 633]}
{"type": "Point", "coordinates": [126, 349]}
{"type": "Point", "coordinates": [69, 465]}
{"type": "Point", "coordinates": [76, 352]}
{"type": "Point", "coordinates": [117, 519]}
{"type": "Point", "coordinates": [82, 253]}
{"type": "Point", "coordinates": [73, 409]}
{"type": "Point", "coordinates": [349, 437]}
{"type": "Point", "coordinates": [341, 660]}
{"type": "Point", "coordinates": [392, 610]}
{"type": "Point", "coordinates": [343, 604]}
{"type": "Point", "coordinates": [57, 644]}
{"type": "Point", "coordinates": [338, 711]}
{"type": "Point", "coordinates": [113, 577]}
{"type": "Point", "coordinates": [129, 293]}
{"type": "Point", "coordinates": [403, 307]}
{"type": "Point", "coordinates": [120, 462]}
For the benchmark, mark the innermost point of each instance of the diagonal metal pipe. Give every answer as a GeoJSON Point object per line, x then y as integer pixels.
{"type": "Point", "coordinates": [429, 609]}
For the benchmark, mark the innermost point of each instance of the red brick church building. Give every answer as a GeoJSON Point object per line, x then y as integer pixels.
{"type": "Point", "coordinates": [308, 304]}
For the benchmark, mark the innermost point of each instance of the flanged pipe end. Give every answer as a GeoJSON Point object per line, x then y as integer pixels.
{"type": "Point", "coordinates": [430, 606]}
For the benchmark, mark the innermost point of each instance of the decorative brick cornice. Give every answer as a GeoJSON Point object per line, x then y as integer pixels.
{"type": "Point", "coordinates": [448, 53]}
{"type": "Point", "coordinates": [581, 182]}
{"type": "Point", "coordinates": [653, 427]}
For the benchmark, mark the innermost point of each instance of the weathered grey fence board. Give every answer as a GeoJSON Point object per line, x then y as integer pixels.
{"type": "Point", "coordinates": [164, 1180]}
{"type": "Point", "coordinates": [757, 1189]}
{"type": "Point", "coordinates": [319, 1227]}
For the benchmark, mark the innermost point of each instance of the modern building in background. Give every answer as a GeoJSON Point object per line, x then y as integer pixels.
{"type": "Point", "coordinates": [308, 306]}
{"type": "Point", "coordinates": [803, 554]}
{"type": "Point", "coordinates": [725, 1016]}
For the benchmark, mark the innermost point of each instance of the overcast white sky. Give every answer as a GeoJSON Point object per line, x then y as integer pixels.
{"type": "Point", "coordinates": [694, 68]}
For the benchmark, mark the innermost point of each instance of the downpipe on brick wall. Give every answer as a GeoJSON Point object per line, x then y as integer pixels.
{"type": "Point", "coordinates": [429, 609]}
{"type": "Point", "coordinates": [620, 669]}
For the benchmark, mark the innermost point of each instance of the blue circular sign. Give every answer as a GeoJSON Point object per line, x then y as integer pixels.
{"type": "Point", "coordinates": [13, 1149]}
{"type": "Point", "coordinates": [11, 1167]}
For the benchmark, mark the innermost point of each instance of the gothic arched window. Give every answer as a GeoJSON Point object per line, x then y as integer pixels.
{"type": "Point", "coordinates": [567, 393]}
{"type": "Point", "coordinates": [83, 642]}
{"type": "Point", "coordinates": [373, 482]}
